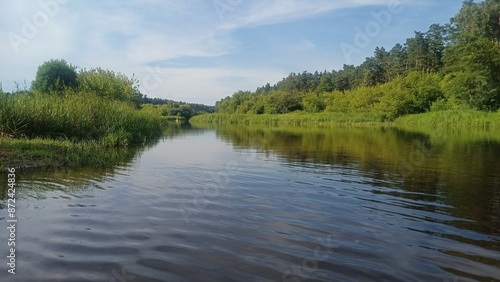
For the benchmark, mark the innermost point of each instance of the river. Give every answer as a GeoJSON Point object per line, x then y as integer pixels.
{"type": "Point", "coordinates": [268, 204]}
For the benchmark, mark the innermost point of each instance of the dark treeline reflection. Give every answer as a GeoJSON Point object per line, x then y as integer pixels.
{"type": "Point", "coordinates": [34, 182]}
{"type": "Point", "coordinates": [456, 168]}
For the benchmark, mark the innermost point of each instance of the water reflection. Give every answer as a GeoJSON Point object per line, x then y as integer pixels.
{"type": "Point", "coordinates": [456, 169]}
{"type": "Point", "coordinates": [299, 204]}
{"type": "Point", "coordinates": [78, 179]}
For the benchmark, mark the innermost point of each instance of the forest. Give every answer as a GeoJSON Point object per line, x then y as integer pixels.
{"type": "Point", "coordinates": [452, 66]}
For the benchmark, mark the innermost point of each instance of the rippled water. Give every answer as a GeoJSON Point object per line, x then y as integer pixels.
{"type": "Point", "coordinates": [236, 204]}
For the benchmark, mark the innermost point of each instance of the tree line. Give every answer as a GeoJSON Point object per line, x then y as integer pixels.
{"type": "Point", "coordinates": [450, 66]}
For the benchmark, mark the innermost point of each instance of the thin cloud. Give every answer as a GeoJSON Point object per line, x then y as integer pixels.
{"type": "Point", "coordinates": [279, 11]}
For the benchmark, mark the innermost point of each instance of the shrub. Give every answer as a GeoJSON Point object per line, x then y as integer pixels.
{"type": "Point", "coordinates": [54, 76]}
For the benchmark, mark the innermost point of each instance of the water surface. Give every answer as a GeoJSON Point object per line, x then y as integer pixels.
{"type": "Point", "coordinates": [268, 204]}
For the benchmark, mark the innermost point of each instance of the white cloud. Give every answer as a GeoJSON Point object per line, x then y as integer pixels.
{"type": "Point", "coordinates": [132, 35]}
{"type": "Point", "coordinates": [278, 11]}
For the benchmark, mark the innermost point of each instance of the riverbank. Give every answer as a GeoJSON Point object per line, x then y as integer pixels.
{"type": "Point", "coordinates": [451, 119]}
{"type": "Point", "coordinates": [296, 118]}
{"type": "Point", "coordinates": [71, 130]}
{"type": "Point", "coordinates": [30, 153]}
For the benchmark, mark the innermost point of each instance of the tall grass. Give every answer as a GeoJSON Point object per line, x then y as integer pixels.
{"type": "Point", "coordinates": [26, 153]}
{"type": "Point", "coordinates": [452, 119]}
{"type": "Point", "coordinates": [77, 117]}
{"type": "Point", "coordinates": [296, 118]}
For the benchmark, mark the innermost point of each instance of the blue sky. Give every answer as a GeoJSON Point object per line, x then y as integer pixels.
{"type": "Point", "coordinates": [201, 51]}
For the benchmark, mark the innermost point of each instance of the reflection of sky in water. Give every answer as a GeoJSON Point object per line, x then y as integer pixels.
{"type": "Point", "coordinates": [189, 150]}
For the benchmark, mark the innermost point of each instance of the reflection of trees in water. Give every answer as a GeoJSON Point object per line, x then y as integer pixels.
{"type": "Point", "coordinates": [173, 129]}
{"type": "Point", "coordinates": [456, 167]}
{"type": "Point", "coordinates": [36, 181]}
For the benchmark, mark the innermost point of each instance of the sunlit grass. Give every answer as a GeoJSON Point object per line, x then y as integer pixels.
{"type": "Point", "coordinates": [462, 118]}
{"type": "Point", "coordinates": [37, 152]}
{"type": "Point", "coordinates": [298, 118]}
{"type": "Point", "coordinates": [77, 117]}
{"type": "Point", "coordinates": [73, 129]}
{"type": "Point", "coordinates": [452, 119]}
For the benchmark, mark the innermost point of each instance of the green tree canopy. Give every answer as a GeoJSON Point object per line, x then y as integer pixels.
{"type": "Point", "coordinates": [54, 76]}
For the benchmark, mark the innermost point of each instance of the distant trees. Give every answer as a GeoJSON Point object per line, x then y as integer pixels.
{"type": "Point", "coordinates": [453, 65]}
{"type": "Point", "coordinates": [172, 108]}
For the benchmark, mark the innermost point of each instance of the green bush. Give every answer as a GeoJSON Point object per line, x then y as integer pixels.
{"type": "Point", "coordinates": [108, 84]}
{"type": "Point", "coordinates": [54, 76]}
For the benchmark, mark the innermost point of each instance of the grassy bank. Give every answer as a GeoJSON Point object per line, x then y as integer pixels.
{"type": "Point", "coordinates": [451, 119]}
{"type": "Point", "coordinates": [71, 129]}
{"type": "Point", "coordinates": [298, 118]}
{"type": "Point", "coordinates": [28, 153]}
{"type": "Point", "coordinates": [77, 117]}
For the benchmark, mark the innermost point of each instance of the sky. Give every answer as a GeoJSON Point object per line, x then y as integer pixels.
{"type": "Point", "coordinates": [200, 51]}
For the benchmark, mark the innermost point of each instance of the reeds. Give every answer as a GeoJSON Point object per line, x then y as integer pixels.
{"type": "Point", "coordinates": [452, 119]}
{"type": "Point", "coordinates": [296, 118]}
{"type": "Point", "coordinates": [76, 117]}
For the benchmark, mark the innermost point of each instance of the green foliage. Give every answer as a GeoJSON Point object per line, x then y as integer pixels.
{"type": "Point", "coordinates": [109, 85]}
{"type": "Point", "coordinates": [54, 76]}
{"type": "Point", "coordinates": [313, 103]}
{"type": "Point", "coordinates": [412, 94]}
{"type": "Point", "coordinates": [296, 118]}
{"type": "Point", "coordinates": [93, 112]}
{"type": "Point", "coordinates": [477, 20]}
{"type": "Point", "coordinates": [452, 119]}
{"type": "Point", "coordinates": [78, 117]}
{"type": "Point", "coordinates": [197, 108]}
{"type": "Point", "coordinates": [472, 73]}
{"type": "Point", "coordinates": [172, 109]}
{"type": "Point", "coordinates": [281, 102]}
